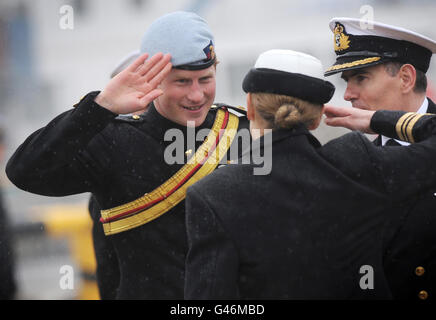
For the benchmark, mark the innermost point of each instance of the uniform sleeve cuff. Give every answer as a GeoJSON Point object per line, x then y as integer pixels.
{"type": "Point", "coordinates": [384, 122]}
{"type": "Point", "coordinates": [97, 117]}
{"type": "Point", "coordinates": [406, 126]}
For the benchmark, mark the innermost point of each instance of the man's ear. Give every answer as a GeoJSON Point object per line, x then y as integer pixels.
{"type": "Point", "coordinates": [316, 122]}
{"type": "Point", "coordinates": [251, 115]}
{"type": "Point", "coordinates": [407, 74]}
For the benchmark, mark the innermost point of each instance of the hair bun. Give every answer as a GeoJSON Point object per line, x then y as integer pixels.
{"type": "Point", "coordinates": [287, 116]}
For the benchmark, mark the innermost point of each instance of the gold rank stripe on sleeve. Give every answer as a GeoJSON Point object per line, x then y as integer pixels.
{"type": "Point", "coordinates": [405, 125]}
{"type": "Point", "coordinates": [170, 193]}
{"type": "Point", "coordinates": [402, 124]}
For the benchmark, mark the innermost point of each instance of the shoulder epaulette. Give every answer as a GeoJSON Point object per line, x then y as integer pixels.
{"type": "Point", "coordinates": [133, 118]}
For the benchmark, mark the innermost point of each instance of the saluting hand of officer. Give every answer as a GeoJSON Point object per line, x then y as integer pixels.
{"type": "Point", "coordinates": [136, 86]}
{"type": "Point", "coordinates": [348, 117]}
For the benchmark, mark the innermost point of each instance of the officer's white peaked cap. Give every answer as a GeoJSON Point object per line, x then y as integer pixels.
{"type": "Point", "coordinates": [360, 43]}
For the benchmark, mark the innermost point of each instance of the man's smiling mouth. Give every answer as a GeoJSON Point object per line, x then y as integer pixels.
{"type": "Point", "coordinates": [192, 108]}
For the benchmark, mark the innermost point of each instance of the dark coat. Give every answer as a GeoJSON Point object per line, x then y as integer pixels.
{"type": "Point", "coordinates": [314, 228]}
{"type": "Point", "coordinates": [107, 268]}
{"type": "Point", "coordinates": [118, 160]}
{"type": "Point", "coordinates": [411, 269]}
{"type": "Point", "coordinates": [8, 286]}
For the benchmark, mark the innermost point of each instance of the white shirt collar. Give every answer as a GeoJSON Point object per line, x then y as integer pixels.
{"type": "Point", "coordinates": [422, 110]}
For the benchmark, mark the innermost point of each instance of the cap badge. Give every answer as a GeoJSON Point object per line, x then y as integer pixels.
{"type": "Point", "coordinates": [341, 39]}
{"type": "Point", "coordinates": [209, 51]}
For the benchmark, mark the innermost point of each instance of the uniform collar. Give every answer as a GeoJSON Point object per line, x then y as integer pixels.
{"type": "Point", "coordinates": [301, 129]}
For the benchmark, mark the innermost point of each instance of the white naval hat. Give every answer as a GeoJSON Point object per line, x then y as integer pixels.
{"type": "Point", "coordinates": [360, 43]}
{"type": "Point", "coordinates": [185, 35]}
{"type": "Point", "coordinates": [289, 73]}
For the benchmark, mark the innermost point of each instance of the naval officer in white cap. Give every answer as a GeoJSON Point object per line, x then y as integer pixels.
{"type": "Point", "coordinates": [385, 68]}
{"type": "Point", "coordinates": [309, 228]}
{"type": "Point", "coordinates": [121, 159]}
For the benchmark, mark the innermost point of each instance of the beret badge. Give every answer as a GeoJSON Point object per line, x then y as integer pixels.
{"type": "Point", "coordinates": [209, 51]}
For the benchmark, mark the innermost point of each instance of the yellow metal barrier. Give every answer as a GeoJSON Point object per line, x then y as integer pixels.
{"type": "Point", "coordinates": [74, 223]}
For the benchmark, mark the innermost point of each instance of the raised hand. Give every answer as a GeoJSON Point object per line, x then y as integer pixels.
{"type": "Point", "coordinates": [136, 86]}
{"type": "Point", "coordinates": [348, 117]}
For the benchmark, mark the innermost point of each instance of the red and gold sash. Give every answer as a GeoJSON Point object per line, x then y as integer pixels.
{"type": "Point", "coordinates": [155, 203]}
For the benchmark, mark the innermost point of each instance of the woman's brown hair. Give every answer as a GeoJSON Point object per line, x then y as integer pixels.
{"type": "Point", "coordinates": [281, 111]}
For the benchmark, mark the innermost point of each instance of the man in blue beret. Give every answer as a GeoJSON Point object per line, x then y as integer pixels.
{"type": "Point", "coordinates": [385, 67]}
{"type": "Point", "coordinates": [105, 147]}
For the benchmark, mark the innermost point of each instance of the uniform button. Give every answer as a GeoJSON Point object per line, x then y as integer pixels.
{"type": "Point", "coordinates": [136, 117]}
{"type": "Point", "coordinates": [419, 271]}
{"type": "Point", "coordinates": [79, 101]}
{"type": "Point", "coordinates": [188, 152]}
{"type": "Point", "coordinates": [423, 294]}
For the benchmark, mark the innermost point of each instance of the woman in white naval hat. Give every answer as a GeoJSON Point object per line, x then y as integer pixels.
{"type": "Point", "coordinates": [385, 68]}
{"type": "Point", "coordinates": [312, 228]}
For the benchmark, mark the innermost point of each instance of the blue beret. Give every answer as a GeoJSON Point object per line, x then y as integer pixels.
{"type": "Point", "coordinates": [184, 35]}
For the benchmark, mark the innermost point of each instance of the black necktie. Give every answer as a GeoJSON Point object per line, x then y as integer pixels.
{"type": "Point", "coordinates": [391, 142]}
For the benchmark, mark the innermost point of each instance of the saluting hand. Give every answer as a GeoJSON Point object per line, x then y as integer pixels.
{"type": "Point", "coordinates": [348, 117]}
{"type": "Point", "coordinates": [136, 86]}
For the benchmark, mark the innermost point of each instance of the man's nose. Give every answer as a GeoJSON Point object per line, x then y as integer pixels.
{"type": "Point", "coordinates": [350, 93]}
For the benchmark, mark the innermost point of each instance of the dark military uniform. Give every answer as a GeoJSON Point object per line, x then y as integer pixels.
{"type": "Point", "coordinates": [314, 227]}
{"type": "Point", "coordinates": [411, 269]}
{"type": "Point", "coordinates": [118, 160]}
{"type": "Point", "coordinates": [8, 286]}
{"type": "Point", "coordinates": [107, 269]}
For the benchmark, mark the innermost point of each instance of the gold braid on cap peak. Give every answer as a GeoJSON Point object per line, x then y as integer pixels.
{"type": "Point", "coordinates": [353, 63]}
